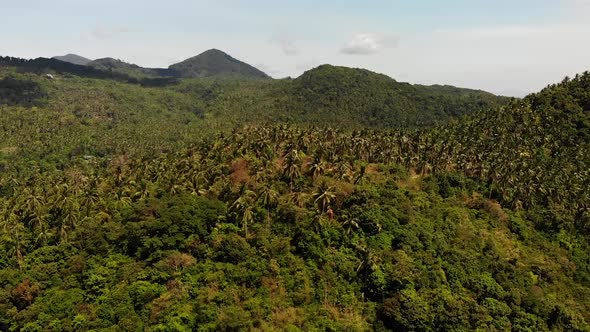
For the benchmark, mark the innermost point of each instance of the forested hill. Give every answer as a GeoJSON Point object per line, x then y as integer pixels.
{"type": "Point", "coordinates": [211, 63]}
{"type": "Point", "coordinates": [125, 207]}
{"type": "Point", "coordinates": [375, 100]}
{"type": "Point", "coordinates": [571, 100]}
{"type": "Point", "coordinates": [324, 96]}
{"type": "Point", "coordinates": [215, 63]}
{"type": "Point", "coordinates": [45, 65]}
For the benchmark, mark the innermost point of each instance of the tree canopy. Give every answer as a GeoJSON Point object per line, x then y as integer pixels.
{"type": "Point", "coordinates": [194, 207]}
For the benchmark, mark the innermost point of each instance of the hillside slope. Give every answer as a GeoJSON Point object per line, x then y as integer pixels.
{"type": "Point", "coordinates": [278, 228]}
{"type": "Point", "coordinates": [131, 208]}
{"type": "Point", "coordinates": [571, 100]}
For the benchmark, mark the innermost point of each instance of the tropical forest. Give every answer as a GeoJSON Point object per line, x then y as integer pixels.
{"type": "Point", "coordinates": [210, 197]}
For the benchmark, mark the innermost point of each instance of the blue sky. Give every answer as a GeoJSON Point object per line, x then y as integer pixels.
{"type": "Point", "coordinates": [508, 47]}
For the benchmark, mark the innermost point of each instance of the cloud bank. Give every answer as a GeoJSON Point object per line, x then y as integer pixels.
{"type": "Point", "coordinates": [368, 43]}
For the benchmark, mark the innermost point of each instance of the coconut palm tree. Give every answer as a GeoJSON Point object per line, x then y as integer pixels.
{"type": "Point", "coordinates": [292, 166]}
{"type": "Point", "coordinates": [242, 208]}
{"type": "Point", "coordinates": [269, 199]}
{"type": "Point", "coordinates": [323, 196]}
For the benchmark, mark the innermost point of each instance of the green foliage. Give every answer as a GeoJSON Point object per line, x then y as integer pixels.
{"type": "Point", "coordinates": [124, 208]}
{"type": "Point", "coordinates": [341, 96]}
{"type": "Point", "coordinates": [19, 92]}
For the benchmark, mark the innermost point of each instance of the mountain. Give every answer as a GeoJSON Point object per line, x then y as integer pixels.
{"type": "Point", "coordinates": [46, 65]}
{"type": "Point", "coordinates": [73, 58]}
{"type": "Point", "coordinates": [211, 63]}
{"type": "Point", "coordinates": [324, 96]}
{"type": "Point", "coordinates": [377, 100]}
{"type": "Point", "coordinates": [214, 63]}
{"type": "Point", "coordinates": [341, 97]}
{"type": "Point", "coordinates": [119, 66]}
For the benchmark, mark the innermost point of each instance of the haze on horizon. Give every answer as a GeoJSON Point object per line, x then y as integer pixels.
{"type": "Point", "coordinates": [506, 47]}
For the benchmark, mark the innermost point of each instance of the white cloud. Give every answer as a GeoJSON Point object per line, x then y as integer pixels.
{"type": "Point", "coordinates": [286, 42]}
{"type": "Point", "coordinates": [368, 43]}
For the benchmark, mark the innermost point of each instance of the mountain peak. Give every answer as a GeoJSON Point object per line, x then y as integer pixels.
{"type": "Point", "coordinates": [73, 58]}
{"type": "Point", "coordinates": [215, 62]}
{"type": "Point", "coordinates": [214, 51]}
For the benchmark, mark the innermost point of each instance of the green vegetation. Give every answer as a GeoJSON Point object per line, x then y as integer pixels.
{"type": "Point", "coordinates": [19, 92]}
{"type": "Point", "coordinates": [344, 96]}
{"type": "Point", "coordinates": [326, 97]}
{"type": "Point", "coordinates": [133, 208]}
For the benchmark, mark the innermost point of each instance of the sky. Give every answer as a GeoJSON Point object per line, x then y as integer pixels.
{"type": "Point", "coordinates": [509, 47]}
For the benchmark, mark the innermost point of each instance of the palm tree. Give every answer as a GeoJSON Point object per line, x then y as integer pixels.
{"type": "Point", "coordinates": [292, 167]}
{"type": "Point", "coordinates": [247, 218]}
{"type": "Point", "coordinates": [361, 174]}
{"type": "Point", "coordinates": [44, 235]}
{"type": "Point", "coordinates": [349, 224]}
{"type": "Point", "coordinates": [269, 199]}
{"type": "Point", "coordinates": [69, 213]}
{"type": "Point", "coordinates": [323, 196]}
{"type": "Point", "coordinates": [299, 199]}
{"type": "Point", "coordinates": [142, 190]}
{"type": "Point", "coordinates": [317, 168]}
{"type": "Point", "coordinates": [243, 209]}
{"type": "Point", "coordinates": [12, 232]}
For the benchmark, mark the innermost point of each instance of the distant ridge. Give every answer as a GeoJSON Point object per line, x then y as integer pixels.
{"type": "Point", "coordinates": [210, 63]}
{"type": "Point", "coordinates": [132, 70]}
{"type": "Point", "coordinates": [73, 58]}
{"type": "Point", "coordinates": [111, 64]}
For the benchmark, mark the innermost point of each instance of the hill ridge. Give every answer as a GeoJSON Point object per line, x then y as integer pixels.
{"type": "Point", "coordinates": [210, 63]}
{"type": "Point", "coordinates": [73, 58]}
